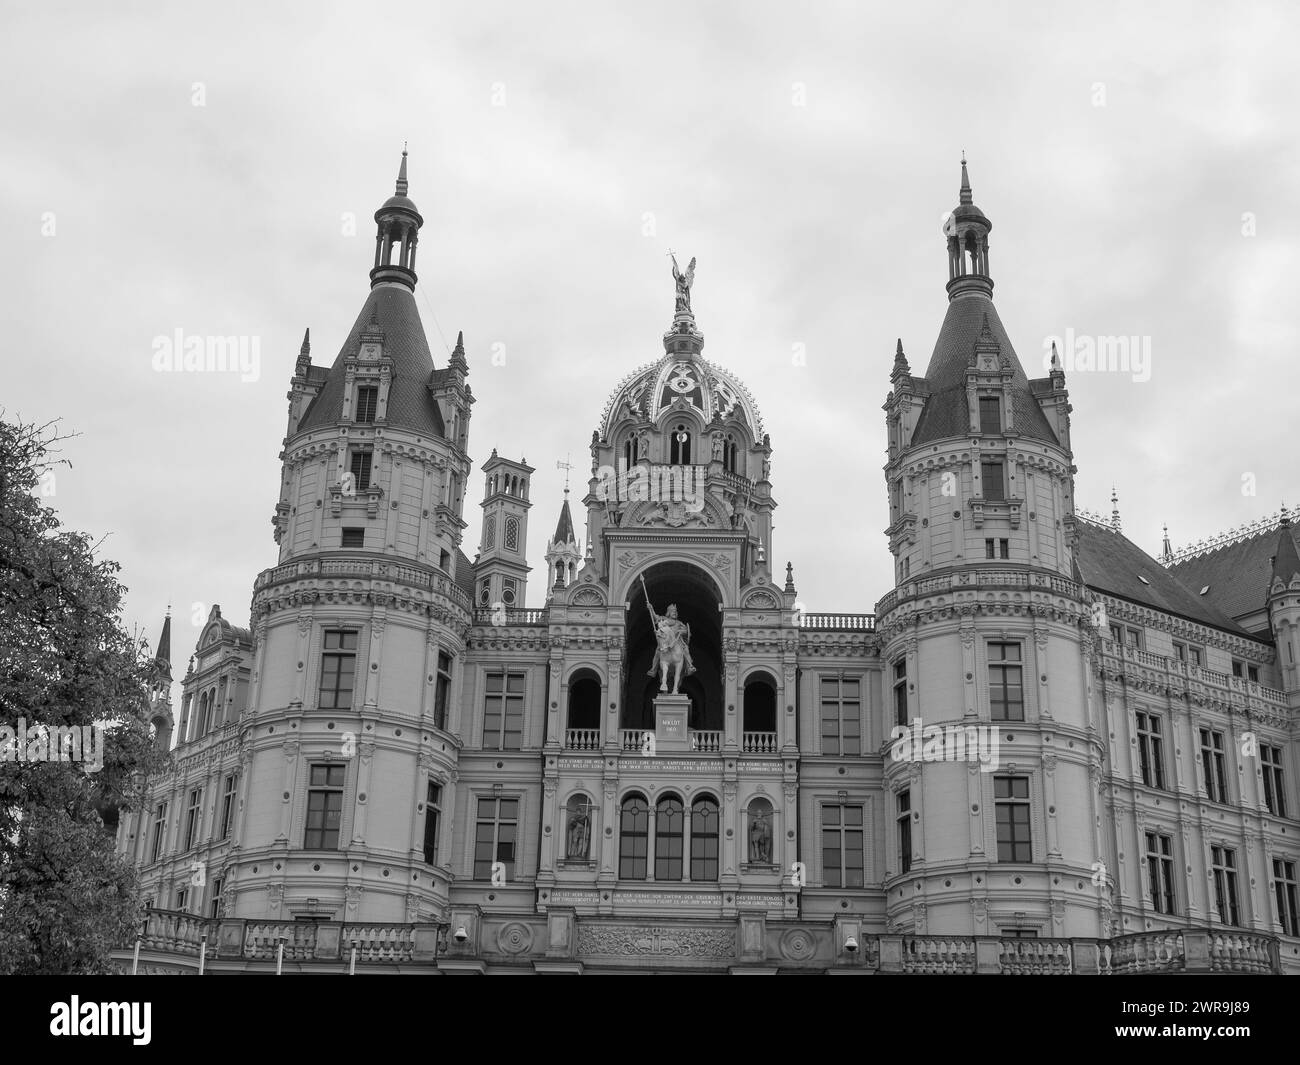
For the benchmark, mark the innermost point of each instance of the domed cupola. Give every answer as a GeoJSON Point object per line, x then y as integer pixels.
{"type": "Point", "coordinates": [398, 234]}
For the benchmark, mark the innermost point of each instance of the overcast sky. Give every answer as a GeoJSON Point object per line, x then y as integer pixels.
{"type": "Point", "coordinates": [191, 166]}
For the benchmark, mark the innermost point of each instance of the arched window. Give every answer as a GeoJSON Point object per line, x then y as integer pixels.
{"type": "Point", "coordinates": [577, 831]}
{"type": "Point", "coordinates": [670, 824]}
{"type": "Point", "coordinates": [489, 532]}
{"type": "Point", "coordinates": [219, 714]}
{"type": "Point", "coordinates": [512, 534]}
{"type": "Point", "coordinates": [632, 451]}
{"type": "Point", "coordinates": [680, 448]}
{"type": "Point", "coordinates": [704, 838]}
{"type": "Point", "coordinates": [633, 838]}
{"type": "Point", "coordinates": [198, 718]}
{"type": "Point", "coordinates": [584, 703]}
{"type": "Point", "coordinates": [759, 832]}
{"type": "Point", "coordinates": [485, 593]}
{"type": "Point", "coordinates": [730, 454]}
{"type": "Point", "coordinates": [760, 713]}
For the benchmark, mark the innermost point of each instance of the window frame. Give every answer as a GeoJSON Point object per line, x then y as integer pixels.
{"type": "Point", "coordinates": [1223, 866]}
{"type": "Point", "coordinates": [1161, 892]}
{"type": "Point", "coordinates": [359, 412]}
{"type": "Point", "coordinates": [1213, 757]}
{"type": "Point", "coordinates": [842, 874]}
{"type": "Point", "coordinates": [1005, 666]}
{"type": "Point", "coordinates": [1015, 805]}
{"type": "Point", "coordinates": [903, 818]}
{"type": "Point", "coordinates": [330, 790]}
{"type": "Point", "coordinates": [1151, 754]}
{"type": "Point", "coordinates": [512, 707]}
{"type": "Point", "coordinates": [843, 737]}
{"type": "Point", "coordinates": [499, 823]}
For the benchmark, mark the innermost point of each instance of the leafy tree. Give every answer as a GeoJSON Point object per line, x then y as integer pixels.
{"type": "Point", "coordinates": [66, 899]}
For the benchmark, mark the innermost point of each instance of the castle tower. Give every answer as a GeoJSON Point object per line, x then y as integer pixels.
{"type": "Point", "coordinates": [501, 572]}
{"type": "Point", "coordinates": [986, 632]}
{"type": "Point", "coordinates": [563, 555]}
{"type": "Point", "coordinates": [358, 632]}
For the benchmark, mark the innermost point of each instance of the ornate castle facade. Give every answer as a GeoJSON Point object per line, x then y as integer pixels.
{"type": "Point", "coordinates": [1044, 751]}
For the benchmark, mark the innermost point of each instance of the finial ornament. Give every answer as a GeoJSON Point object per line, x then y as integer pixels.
{"type": "Point", "coordinates": [566, 466]}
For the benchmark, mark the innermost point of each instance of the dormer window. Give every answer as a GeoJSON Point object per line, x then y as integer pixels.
{"type": "Point", "coordinates": [360, 469]}
{"type": "Point", "coordinates": [367, 403]}
{"type": "Point", "coordinates": [680, 447]}
{"type": "Point", "coordinates": [990, 415]}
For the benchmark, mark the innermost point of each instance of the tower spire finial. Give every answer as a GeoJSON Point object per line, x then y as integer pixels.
{"type": "Point", "coordinates": [965, 182]}
{"type": "Point", "coordinates": [401, 173]}
{"type": "Point", "coordinates": [1114, 509]}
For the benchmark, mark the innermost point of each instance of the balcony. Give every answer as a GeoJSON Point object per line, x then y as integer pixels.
{"type": "Point", "coordinates": [642, 741]}
{"type": "Point", "coordinates": [513, 616]}
{"type": "Point", "coordinates": [582, 739]}
{"type": "Point", "coordinates": [976, 581]}
{"type": "Point", "coordinates": [759, 743]}
{"type": "Point", "coordinates": [366, 567]}
{"type": "Point", "coordinates": [1191, 672]}
{"type": "Point", "coordinates": [838, 622]}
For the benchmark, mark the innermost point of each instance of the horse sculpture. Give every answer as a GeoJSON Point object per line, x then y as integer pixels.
{"type": "Point", "coordinates": [673, 638]}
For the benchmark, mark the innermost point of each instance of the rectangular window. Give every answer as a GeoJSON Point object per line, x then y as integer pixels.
{"type": "Point", "coordinates": [503, 718]}
{"type": "Point", "coordinates": [905, 831]}
{"type": "Point", "coordinates": [841, 715]}
{"type": "Point", "coordinates": [704, 841]}
{"type": "Point", "coordinates": [228, 806]}
{"type": "Point", "coordinates": [183, 899]}
{"type": "Point", "coordinates": [1117, 634]}
{"type": "Point", "coordinates": [1213, 765]}
{"type": "Point", "coordinates": [1134, 638]}
{"type": "Point", "coordinates": [1180, 651]}
{"type": "Point", "coordinates": [1194, 655]}
{"type": "Point", "coordinates": [990, 414]}
{"type": "Point", "coordinates": [354, 537]}
{"type": "Point", "coordinates": [1151, 757]}
{"type": "Point", "coordinates": [1284, 889]}
{"type": "Point", "coordinates": [324, 808]}
{"type": "Point", "coordinates": [993, 478]}
{"type": "Point", "coordinates": [442, 690]}
{"type": "Point", "coordinates": [990, 549]}
{"type": "Point", "coordinates": [1252, 674]}
{"type": "Point", "coordinates": [432, 817]}
{"type": "Point", "coordinates": [900, 692]}
{"type": "Point", "coordinates": [1160, 872]}
{"type": "Point", "coordinates": [1237, 667]}
{"type": "Point", "coordinates": [1011, 803]}
{"type": "Point", "coordinates": [1004, 549]}
{"type": "Point", "coordinates": [360, 470]}
{"type": "Point", "coordinates": [1006, 684]}
{"type": "Point", "coordinates": [159, 830]}
{"type": "Point", "coordinates": [670, 835]}
{"type": "Point", "coordinates": [214, 906]}
{"type": "Point", "coordinates": [192, 817]}
{"type": "Point", "coordinates": [367, 403]}
{"type": "Point", "coordinates": [1270, 759]}
{"type": "Point", "coordinates": [842, 854]}
{"type": "Point", "coordinates": [338, 668]}
{"type": "Point", "coordinates": [494, 839]}
{"type": "Point", "coordinates": [1223, 862]}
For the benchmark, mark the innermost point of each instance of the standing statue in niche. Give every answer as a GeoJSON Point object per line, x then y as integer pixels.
{"type": "Point", "coordinates": [684, 282]}
{"type": "Point", "coordinates": [579, 835]}
{"type": "Point", "coordinates": [760, 841]}
{"type": "Point", "coordinates": [673, 638]}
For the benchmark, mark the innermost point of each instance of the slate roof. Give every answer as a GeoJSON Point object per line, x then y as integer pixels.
{"type": "Point", "coordinates": [1238, 574]}
{"type": "Point", "coordinates": [564, 528]}
{"type": "Point", "coordinates": [946, 413]}
{"type": "Point", "coordinates": [410, 404]}
{"type": "Point", "coordinates": [1109, 562]}
{"type": "Point", "coordinates": [464, 574]}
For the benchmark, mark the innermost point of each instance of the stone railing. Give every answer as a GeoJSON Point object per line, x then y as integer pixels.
{"type": "Point", "coordinates": [1035, 957]}
{"type": "Point", "coordinates": [1242, 952]}
{"type": "Point", "coordinates": [634, 739]}
{"type": "Point", "coordinates": [710, 741]}
{"type": "Point", "coordinates": [582, 739]}
{"type": "Point", "coordinates": [509, 616]}
{"type": "Point", "coordinates": [977, 580]}
{"type": "Point", "coordinates": [938, 954]}
{"type": "Point", "coordinates": [838, 622]}
{"type": "Point", "coordinates": [759, 743]}
{"type": "Point", "coordinates": [333, 947]}
{"type": "Point", "coordinates": [433, 580]}
{"type": "Point", "coordinates": [1181, 668]}
{"type": "Point", "coordinates": [1147, 952]}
